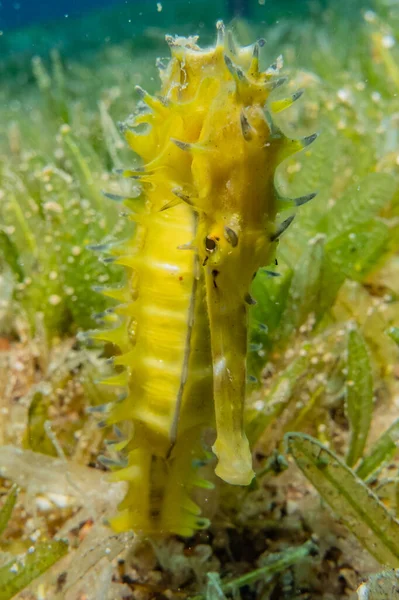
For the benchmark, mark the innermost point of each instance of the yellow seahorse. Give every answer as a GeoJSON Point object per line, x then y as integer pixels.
{"type": "Point", "coordinates": [205, 223]}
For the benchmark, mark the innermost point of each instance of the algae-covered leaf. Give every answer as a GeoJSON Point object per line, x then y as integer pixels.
{"type": "Point", "coordinates": [381, 452]}
{"type": "Point", "coordinates": [278, 398]}
{"type": "Point", "coordinates": [331, 281]}
{"type": "Point", "coordinates": [214, 587]}
{"type": "Point", "coordinates": [271, 295]}
{"type": "Point", "coordinates": [348, 496]}
{"type": "Point", "coordinates": [36, 436]}
{"type": "Point", "coordinates": [381, 586]}
{"type": "Point", "coordinates": [355, 251]}
{"type": "Point", "coordinates": [272, 565]}
{"type": "Point", "coordinates": [388, 492]}
{"type": "Point", "coordinates": [360, 202]}
{"type": "Point", "coordinates": [305, 286]}
{"type": "Point", "coordinates": [10, 254]}
{"type": "Point", "coordinates": [7, 508]}
{"type": "Point", "coordinates": [393, 333]}
{"type": "Point", "coordinates": [16, 574]}
{"type": "Point", "coordinates": [359, 395]}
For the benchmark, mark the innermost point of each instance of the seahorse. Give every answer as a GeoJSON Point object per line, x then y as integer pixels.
{"type": "Point", "coordinates": [205, 223]}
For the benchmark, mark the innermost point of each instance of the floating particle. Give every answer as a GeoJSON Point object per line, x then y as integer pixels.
{"type": "Point", "coordinates": [343, 95]}
{"type": "Point", "coordinates": [51, 206]}
{"type": "Point", "coordinates": [65, 129]}
{"type": "Point", "coordinates": [159, 7]}
{"type": "Point", "coordinates": [388, 41]}
{"type": "Point", "coordinates": [376, 97]}
{"type": "Point", "coordinates": [369, 16]}
{"type": "Point", "coordinates": [54, 299]}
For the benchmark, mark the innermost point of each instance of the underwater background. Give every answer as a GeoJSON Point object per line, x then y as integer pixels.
{"type": "Point", "coordinates": [35, 27]}
{"type": "Point", "coordinates": [320, 520]}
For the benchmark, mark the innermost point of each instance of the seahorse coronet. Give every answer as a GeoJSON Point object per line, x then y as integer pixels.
{"type": "Point", "coordinates": [209, 151]}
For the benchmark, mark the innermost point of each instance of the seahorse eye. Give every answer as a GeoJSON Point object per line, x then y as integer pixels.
{"type": "Point", "coordinates": [210, 244]}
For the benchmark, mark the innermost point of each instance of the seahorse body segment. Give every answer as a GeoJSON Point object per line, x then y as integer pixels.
{"type": "Point", "coordinates": [205, 223]}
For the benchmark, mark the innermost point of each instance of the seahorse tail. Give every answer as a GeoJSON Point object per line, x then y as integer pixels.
{"type": "Point", "coordinates": [159, 496]}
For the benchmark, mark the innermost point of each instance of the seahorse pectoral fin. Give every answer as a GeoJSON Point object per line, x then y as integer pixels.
{"type": "Point", "coordinates": [228, 320]}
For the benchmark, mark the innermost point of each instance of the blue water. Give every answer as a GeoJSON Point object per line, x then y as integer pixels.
{"type": "Point", "coordinates": [35, 27]}
{"type": "Point", "coordinates": [18, 13]}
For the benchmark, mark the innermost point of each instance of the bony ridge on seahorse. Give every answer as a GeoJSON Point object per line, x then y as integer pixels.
{"type": "Point", "coordinates": [205, 222]}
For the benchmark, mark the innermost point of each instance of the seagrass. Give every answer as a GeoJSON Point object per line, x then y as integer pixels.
{"type": "Point", "coordinates": [205, 222]}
